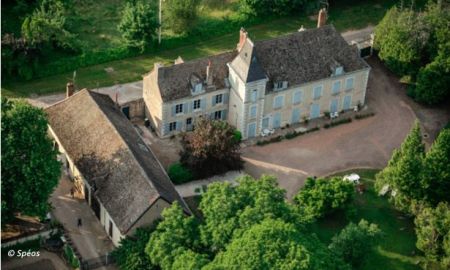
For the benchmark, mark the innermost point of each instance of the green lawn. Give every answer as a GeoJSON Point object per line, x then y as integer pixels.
{"type": "Point", "coordinates": [396, 250]}
{"type": "Point", "coordinates": [96, 28]}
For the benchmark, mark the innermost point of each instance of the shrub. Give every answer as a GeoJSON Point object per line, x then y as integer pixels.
{"type": "Point", "coordinates": [237, 135]}
{"type": "Point", "coordinates": [179, 174]}
{"type": "Point", "coordinates": [70, 257]}
{"type": "Point", "coordinates": [362, 116]}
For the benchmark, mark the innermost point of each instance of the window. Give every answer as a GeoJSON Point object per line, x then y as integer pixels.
{"type": "Point", "coordinates": [218, 115]}
{"type": "Point", "coordinates": [253, 110]}
{"type": "Point", "coordinates": [349, 83]}
{"type": "Point", "coordinates": [336, 87]}
{"type": "Point", "coordinates": [278, 102]}
{"type": "Point", "coordinates": [189, 121]}
{"type": "Point", "coordinates": [254, 96]}
{"type": "Point", "coordinates": [317, 92]}
{"type": "Point", "coordinates": [279, 85]}
{"type": "Point", "coordinates": [173, 126]}
{"type": "Point", "coordinates": [297, 97]}
{"type": "Point", "coordinates": [197, 104]}
{"type": "Point", "coordinates": [198, 88]}
{"type": "Point", "coordinates": [339, 70]}
{"type": "Point", "coordinates": [219, 98]}
{"type": "Point", "coordinates": [179, 108]}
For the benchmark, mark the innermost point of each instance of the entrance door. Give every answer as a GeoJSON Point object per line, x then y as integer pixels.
{"type": "Point", "coordinates": [126, 111]}
{"type": "Point", "coordinates": [277, 120]}
{"type": "Point", "coordinates": [251, 132]}
{"type": "Point", "coordinates": [315, 111]}
{"type": "Point", "coordinates": [347, 102]}
{"type": "Point", "coordinates": [95, 205]}
{"type": "Point", "coordinates": [110, 231]}
{"type": "Point", "coordinates": [334, 105]}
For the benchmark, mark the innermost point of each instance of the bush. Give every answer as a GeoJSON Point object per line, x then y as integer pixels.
{"type": "Point", "coordinates": [237, 135]}
{"type": "Point", "coordinates": [362, 116]}
{"type": "Point", "coordinates": [179, 174]}
{"type": "Point", "coordinates": [338, 122]}
{"type": "Point", "coordinates": [70, 257]}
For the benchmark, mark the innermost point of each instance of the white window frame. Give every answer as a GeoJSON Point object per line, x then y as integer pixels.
{"type": "Point", "coordinates": [320, 86]}
{"type": "Point", "coordinates": [181, 108]}
{"type": "Point", "coordinates": [198, 88]}
{"type": "Point", "coordinates": [346, 83]}
{"type": "Point", "coordinates": [333, 91]}
{"type": "Point", "coordinates": [255, 108]}
{"type": "Point", "coordinates": [219, 97]}
{"type": "Point", "coordinates": [274, 102]}
{"type": "Point", "coordinates": [217, 113]}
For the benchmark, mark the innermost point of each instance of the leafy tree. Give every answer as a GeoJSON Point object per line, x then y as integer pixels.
{"type": "Point", "coordinates": [436, 176]}
{"type": "Point", "coordinates": [228, 210]}
{"type": "Point", "coordinates": [174, 235]}
{"type": "Point", "coordinates": [275, 244]}
{"type": "Point", "coordinates": [433, 233]}
{"type": "Point", "coordinates": [130, 255]}
{"type": "Point", "coordinates": [30, 170]}
{"type": "Point", "coordinates": [211, 149]}
{"type": "Point", "coordinates": [401, 37]}
{"type": "Point", "coordinates": [355, 241]}
{"type": "Point", "coordinates": [277, 7]}
{"type": "Point", "coordinates": [322, 196]}
{"type": "Point", "coordinates": [189, 260]}
{"type": "Point", "coordinates": [180, 15]}
{"type": "Point", "coordinates": [138, 24]}
{"type": "Point", "coordinates": [404, 171]}
{"type": "Point", "coordinates": [46, 25]}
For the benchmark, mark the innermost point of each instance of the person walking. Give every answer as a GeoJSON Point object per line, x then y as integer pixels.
{"type": "Point", "coordinates": [72, 192]}
{"type": "Point", "coordinates": [79, 224]}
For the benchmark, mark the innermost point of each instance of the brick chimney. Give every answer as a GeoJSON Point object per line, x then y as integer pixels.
{"type": "Point", "coordinates": [322, 18]}
{"type": "Point", "coordinates": [209, 76]}
{"type": "Point", "coordinates": [242, 38]}
{"type": "Point", "coordinates": [70, 89]}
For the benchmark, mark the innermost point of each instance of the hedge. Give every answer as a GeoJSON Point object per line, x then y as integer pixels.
{"type": "Point", "coordinates": [179, 174]}
{"type": "Point", "coordinates": [70, 257]}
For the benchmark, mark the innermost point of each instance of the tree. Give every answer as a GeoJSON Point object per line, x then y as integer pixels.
{"type": "Point", "coordinates": [322, 196]}
{"type": "Point", "coordinates": [130, 255]}
{"type": "Point", "coordinates": [433, 233]}
{"type": "Point", "coordinates": [400, 38]}
{"type": "Point", "coordinates": [210, 149]}
{"type": "Point", "coordinates": [278, 7]}
{"type": "Point", "coordinates": [174, 235]}
{"type": "Point", "coordinates": [30, 170]}
{"type": "Point", "coordinates": [355, 241]}
{"type": "Point", "coordinates": [404, 171]}
{"type": "Point", "coordinates": [138, 24]}
{"type": "Point", "coordinates": [275, 244]}
{"type": "Point", "coordinates": [436, 176]}
{"type": "Point", "coordinates": [180, 15]}
{"type": "Point", "coordinates": [46, 25]}
{"type": "Point", "coordinates": [228, 211]}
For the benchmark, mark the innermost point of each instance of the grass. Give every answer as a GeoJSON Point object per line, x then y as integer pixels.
{"type": "Point", "coordinates": [396, 250]}
{"type": "Point", "coordinates": [96, 22]}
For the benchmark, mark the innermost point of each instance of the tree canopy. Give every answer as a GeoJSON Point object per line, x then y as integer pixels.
{"type": "Point", "coordinates": [138, 24]}
{"type": "Point", "coordinates": [247, 226]}
{"type": "Point", "coordinates": [433, 233]}
{"type": "Point", "coordinates": [180, 15]}
{"type": "Point", "coordinates": [211, 149]}
{"type": "Point", "coordinates": [322, 196]}
{"type": "Point", "coordinates": [355, 241]}
{"type": "Point", "coordinates": [30, 170]}
{"type": "Point", "coordinates": [417, 44]}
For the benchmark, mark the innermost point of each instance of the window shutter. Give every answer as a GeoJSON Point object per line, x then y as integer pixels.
{"type": "Point", "coordinates": [211, 116]}
{"type": "Point", "coordinates": [225, 98]}
{"type": "Point", "coordinates": [192, 106]}
{"type": "Point", "coordinates": [186, 107]}
{"type": "Point", "coordinates": [285, 84]}
{"type": "Point", "coordinates": [179, 125]}
{"type": "Point", "coordinates": [173, 110]}
{"type": "Point", "coordinates": [166, 128]}
{"type": "Point", "coordinates": [224, 114]}
{"type": "Point", "coordinates": [213, 100]}
{"type": "Point", "coordinates": [203, 103]}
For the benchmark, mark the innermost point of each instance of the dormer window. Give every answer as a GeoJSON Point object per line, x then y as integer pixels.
{"type": "Point", "coordinates": [339, 71]}
{"type": "Point", "coordinates": [280, 85]}
{"type": "Point", "coordinates": [198, 88]}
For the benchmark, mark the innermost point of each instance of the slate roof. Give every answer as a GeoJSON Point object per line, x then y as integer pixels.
{"type": "Point", "coordinates": [306, 56]}
{"type": "Point", "coordinates": [247, 65]}
{"type": "Point", "coordinates": [174, 81]}
{"type": "Point", "coordinates": [111, 156]}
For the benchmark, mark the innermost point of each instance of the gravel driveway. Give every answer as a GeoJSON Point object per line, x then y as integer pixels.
{"type": "Point", "coordinates": [363, 143]}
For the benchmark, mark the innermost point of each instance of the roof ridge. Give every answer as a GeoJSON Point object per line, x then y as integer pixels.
{"type": "Point", "coordinates": [67, 98]}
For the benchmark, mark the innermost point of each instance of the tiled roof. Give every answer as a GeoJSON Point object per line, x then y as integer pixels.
{"type": "Point", "coordinates": [111, 156]}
